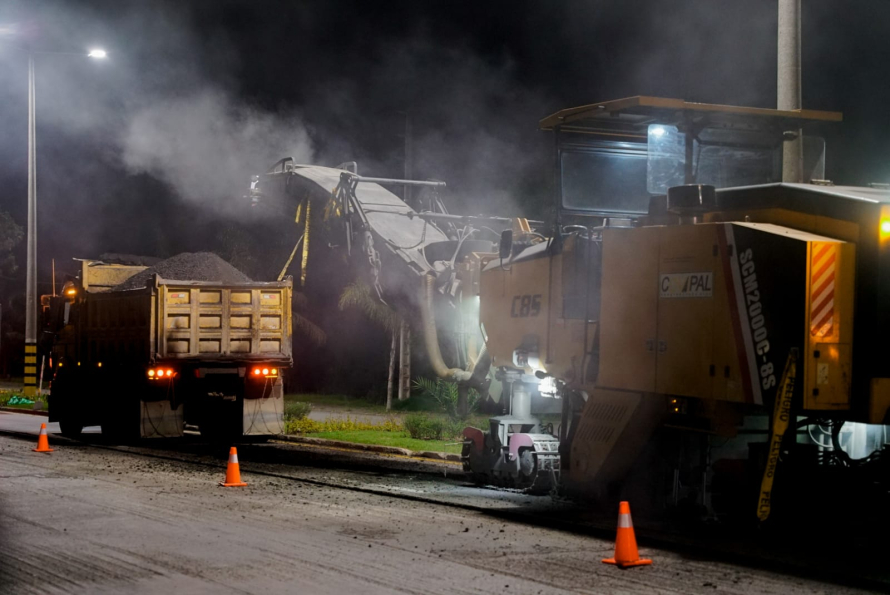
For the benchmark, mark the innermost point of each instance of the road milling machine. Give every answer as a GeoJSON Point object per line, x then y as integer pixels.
{"type": "Point", "coordinates": [696, 316]}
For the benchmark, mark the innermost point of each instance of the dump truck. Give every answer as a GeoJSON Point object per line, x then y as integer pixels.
{"type": "Point", "coordinates": [146, 361]}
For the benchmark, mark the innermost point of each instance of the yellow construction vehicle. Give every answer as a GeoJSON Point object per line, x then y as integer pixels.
{"type": "Point", "coordinates": [688, 306]}
{"type": "Point", "coordinates": [698, 317]}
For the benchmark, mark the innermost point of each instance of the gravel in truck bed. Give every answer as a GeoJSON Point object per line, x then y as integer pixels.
{"type": "Point", "coordinates": [188, 266]}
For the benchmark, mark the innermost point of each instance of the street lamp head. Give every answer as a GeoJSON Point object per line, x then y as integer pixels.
{"type": "Point", "coordinates": [97, 53]}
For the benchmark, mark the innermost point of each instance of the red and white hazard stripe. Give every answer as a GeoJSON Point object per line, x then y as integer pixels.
{"type": "Point", "coordinates": [822, 276]}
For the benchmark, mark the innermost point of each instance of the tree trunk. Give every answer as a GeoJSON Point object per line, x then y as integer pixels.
{"type": "Point", "coordinates": [405, 362]}
{"type": "Point", "coordinates": [463, 400]}
{"type": "Point", "coordinates": [392, 369]}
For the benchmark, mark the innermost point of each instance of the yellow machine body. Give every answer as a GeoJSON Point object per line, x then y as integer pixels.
{"type": "Point", "coordinates": [521, 309]}
{"type": "Point", "coordinates": [686, 319]}
{"type": "Point", "coordinates": [688, 311]}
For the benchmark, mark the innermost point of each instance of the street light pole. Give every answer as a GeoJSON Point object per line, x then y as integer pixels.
{"type": "Point", "coordinates": [30, 388]}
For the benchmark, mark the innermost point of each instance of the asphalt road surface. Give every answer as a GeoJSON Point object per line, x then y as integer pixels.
{"type": "Point", "coordinates": [92, 519]}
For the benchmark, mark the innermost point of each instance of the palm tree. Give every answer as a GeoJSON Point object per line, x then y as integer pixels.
{"type": "Point", "coordinates": [358, 295]}
{"type": "Point", "coordinates": [302, 324]}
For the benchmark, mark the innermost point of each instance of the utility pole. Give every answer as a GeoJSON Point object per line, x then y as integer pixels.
{"type": "Point", "coordinates": [404, 361]}
{"type": "Point", "coordinates": [404, 329]}
{"type": "Point", "coordinates": [392, 366]}
{"type": "Point", "coordinates": [788, 86]}
{"type": "Point", "coordinates": [409, 157]}
{"type": "Point", "coordinates": [30, 388]}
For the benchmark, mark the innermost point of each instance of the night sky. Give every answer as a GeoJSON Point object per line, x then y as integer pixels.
{"type": "Point", "coordinates": [151, 151]}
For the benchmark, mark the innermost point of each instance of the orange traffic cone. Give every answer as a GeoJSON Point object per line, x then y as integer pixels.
{"type": "Point", "coordinates": [233, 472]}
{"type": "Point", "coordinates": [43, 441]}
{"type": "Point", "coordinates": [626, 554]}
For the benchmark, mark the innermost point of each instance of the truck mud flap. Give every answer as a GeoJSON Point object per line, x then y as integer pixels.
{"type": "Point", "coordinates": [157, 419]}
{"type": "Point", "coordinates": [264, 417]}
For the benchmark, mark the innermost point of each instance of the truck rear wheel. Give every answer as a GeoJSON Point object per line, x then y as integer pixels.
{"type": "Point", "coordinates": [70, 428]}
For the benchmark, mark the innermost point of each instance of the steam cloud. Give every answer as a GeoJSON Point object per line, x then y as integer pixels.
{"type": "Point", "coordinates": [201, 99]}
{"type": "Point", "coordinates": [206, 146]}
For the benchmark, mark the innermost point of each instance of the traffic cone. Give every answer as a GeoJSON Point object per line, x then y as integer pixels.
{"type": "Point", "coordinates": [626, 554]}
{"type": "Point", "coordinates": [43, 441]}
{"type": "Point", "coordinates": [233, 472]}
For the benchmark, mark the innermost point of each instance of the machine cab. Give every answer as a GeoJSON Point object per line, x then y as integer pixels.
{"type": "Point", "coordinates": [613, 157]}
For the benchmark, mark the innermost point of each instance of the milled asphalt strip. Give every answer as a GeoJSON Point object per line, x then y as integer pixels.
{"type": "Point", "coordinates": [652, 539]}
{"type": "Point", "coordinates": [351, 488]}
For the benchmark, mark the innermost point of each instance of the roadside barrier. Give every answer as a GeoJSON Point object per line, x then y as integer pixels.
{"type": "Point", "coordinates": [626, 554]}
{"type": "Point", "coordinates": [233, 472]}
{"type": "Point", "coordinates": [43, 441]}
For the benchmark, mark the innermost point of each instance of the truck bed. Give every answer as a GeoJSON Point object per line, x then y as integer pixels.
{"type": "Point", "coordinates": [191, 320]}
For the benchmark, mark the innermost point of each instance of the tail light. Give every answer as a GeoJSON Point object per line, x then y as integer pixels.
{"type": "Point", "coordinates": [160, 373]}
{"type": "Point", "coordinates": [264, 372]}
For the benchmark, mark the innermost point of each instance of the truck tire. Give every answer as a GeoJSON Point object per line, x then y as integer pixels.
{"type": "Point", "coordinates": [70, 428]}
{"type": "Point", "coordinates": [213, 431]}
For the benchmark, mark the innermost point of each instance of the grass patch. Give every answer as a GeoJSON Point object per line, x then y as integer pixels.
{"type": "Point", "coordinates": [338, 401]}
{"type": "Point", "coordinates": [417, 402]}
{"type": "Point", "coordinates": [297, 410]}
{"type": "Point", "coordinates": [384, 438]}
{"type": "Point", "coordinates": [339, 424]}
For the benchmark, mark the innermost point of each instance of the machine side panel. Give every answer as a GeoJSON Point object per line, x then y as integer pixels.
{"type": "Point", "coordinates": [729, 383]}
{"type": "Point", "coordinates": [768, 265]}
{"type": "Point", "coordinates": [514, 307]}
{"type": "Point", "coordinates": [687, 263]}
{"type": "Point", "coordinates": [629, 309]}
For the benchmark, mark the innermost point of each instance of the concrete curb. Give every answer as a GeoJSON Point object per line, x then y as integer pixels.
{"type": "Point", "coordinates": [393, 450]}
{"type": "Point", "coordinates": [42, 412]}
